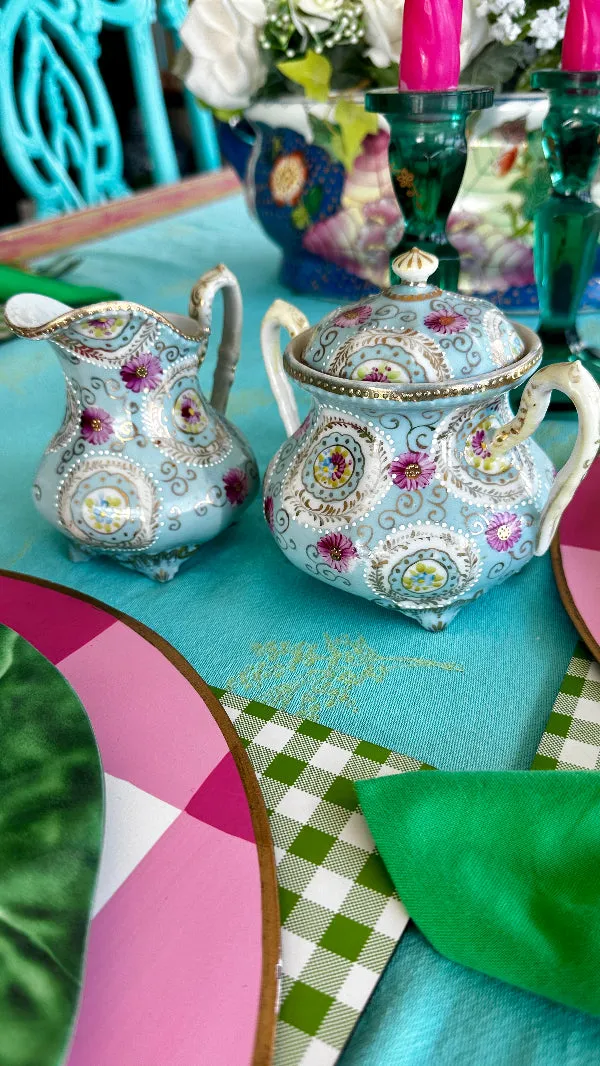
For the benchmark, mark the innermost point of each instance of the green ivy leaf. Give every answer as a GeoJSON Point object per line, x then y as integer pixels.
{"type": "Point", "coordinates": [300, 216]}
{"type": "Point", "coordinates": [312, 72]}
{"type": "Point", "coordinates": [51, 800]}
{"type": "Point", "coordinates": [354, 124]}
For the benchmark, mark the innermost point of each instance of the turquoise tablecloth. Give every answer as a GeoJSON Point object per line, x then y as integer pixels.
{"type": "Point", "coordinates": [250, 622]}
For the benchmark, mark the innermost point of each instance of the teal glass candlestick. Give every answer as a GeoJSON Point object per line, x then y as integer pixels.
{"type": "Point", "coordinates": [567, 225]}
{"type": "Point", "coordinates": [428, 156]}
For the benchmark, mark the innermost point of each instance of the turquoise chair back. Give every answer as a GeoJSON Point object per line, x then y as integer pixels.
{"type": "Point", "coordinates": [59, 132]}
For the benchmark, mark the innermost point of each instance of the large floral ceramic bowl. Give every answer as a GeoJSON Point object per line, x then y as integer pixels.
{"type": "Point", "coordinates": [337, 224]}
{"type": "Point", "coordinates": [410, 483]}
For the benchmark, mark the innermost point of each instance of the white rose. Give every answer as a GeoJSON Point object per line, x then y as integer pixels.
{"type": "Point", "coordinates": [317, 15]}
{"type": "Point", "coordinates": [221, 37]}
{"type": "Point", "coordinates": [383, 25]}
{"type": "Point", "coordinates": [475, 32]}
{"type": "Point", "coordinates": [383, 29]}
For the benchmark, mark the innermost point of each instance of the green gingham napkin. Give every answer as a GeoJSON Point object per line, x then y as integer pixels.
{"type": "Point", "coordinates": [571, 740]}
{"type": "Point", "coordinates": [341, 918]}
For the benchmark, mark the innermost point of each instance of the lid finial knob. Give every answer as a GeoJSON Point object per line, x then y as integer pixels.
{"type": "Point", "coordinates": [414, 267]}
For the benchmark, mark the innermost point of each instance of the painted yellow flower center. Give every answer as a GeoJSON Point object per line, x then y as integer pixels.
{"type": "Point", "coordinates": [141, 372]}
{"type": "Point", "coordinates": [335, 554]}
{"type": "Point", "coordinates": [503, 532]}
{"type": "Point", "coordinates": [96, 424]}
{"type": "Point", "coordinates": [446, 320]}
{"type": "Point", "coordinates": [412, 470]}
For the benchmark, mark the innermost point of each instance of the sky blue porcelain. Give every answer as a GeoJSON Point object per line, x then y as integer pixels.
{"type": "Point", "coordinates": [409, 483]}
{"type": "Point", "coordinates": [143, 469]}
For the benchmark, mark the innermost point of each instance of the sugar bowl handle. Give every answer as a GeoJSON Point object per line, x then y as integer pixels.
{"type": "Point", "coordinates": [281, 314]}
{"type": "Point", "coordinates": [201, 304]}
{"type": "Point", "coordinates": [578, 384]}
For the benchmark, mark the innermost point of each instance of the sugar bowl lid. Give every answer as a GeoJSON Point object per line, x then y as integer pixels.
{"type": "Point", "coordinates": [414, 334]}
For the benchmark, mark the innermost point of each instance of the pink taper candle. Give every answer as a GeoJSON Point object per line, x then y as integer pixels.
{"type": "Point", "coordinates": [581, 44]}
{"type": "Point", "coordinates": [430, 57]}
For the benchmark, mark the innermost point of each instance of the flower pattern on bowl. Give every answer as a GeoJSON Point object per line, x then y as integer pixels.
{"type": "Point", "coordinates": [504, 531]}
{"type": "Point", "coordinates": [412, 470]}
{"type": "Point", "coordinates": [446, 321]}
{"type": "Point", "coordinates": [424, 576]}
{"type": "Point", "coordinates": [338, 551]}
{"type": "Point", "coordinates": [106, 510]}
{"type": "Point", "coordinates": [354, 316]}
{"type": "Point", "coordinates": [333, 466]}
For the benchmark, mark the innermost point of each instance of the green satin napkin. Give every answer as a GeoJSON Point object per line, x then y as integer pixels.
{"type": "Point", "coordinates": [500, 871]}
{"type": "Point", "coordinates": [51, 815]}
{"type": "Point", "coordinates": [14, 281]}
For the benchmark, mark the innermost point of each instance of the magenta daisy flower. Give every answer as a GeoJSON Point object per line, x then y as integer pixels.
{"type": "Point", "coordinates": [236, 486]}
{"type": "Point", "coordinates": [96, 425]}
{"type": "Point", "coordinates": [338, 551]}
{"type": "Point", "coordinates": [338, 464]}
{"type": "Point", "coordinates": [376, 375]}
{"type": "Point", "coordinates": [478, 444]}
{"type": "Point", "coordinates": [412, 470]}
{"type": "Point", "coordinates": [143, 371]}
{"type": "Point", "coordinates": [446, 321]}
{"type": "Point", "coordinates": [269, 509]}
{"type": "Point", "coordinates": [504, 530]}
{"type": "Point", "coordinates": [354, 316]}
{"type": "Point", "coordinates": [104, 325]}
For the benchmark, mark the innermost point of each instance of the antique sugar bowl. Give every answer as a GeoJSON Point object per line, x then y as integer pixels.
{"type": "Point", "coordinates": [143, 468]}
{"type": "Point", "coordinates": [410, 483]}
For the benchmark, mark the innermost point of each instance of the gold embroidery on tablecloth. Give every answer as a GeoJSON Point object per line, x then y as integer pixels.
{"type": "Point", "coordinates": [330, 671]}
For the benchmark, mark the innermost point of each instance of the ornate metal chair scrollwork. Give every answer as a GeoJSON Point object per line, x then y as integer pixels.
{"type": "Point", "coordinates": [58, 127]}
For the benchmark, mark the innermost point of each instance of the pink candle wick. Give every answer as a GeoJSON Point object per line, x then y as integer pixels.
{"type": "Point", "coordinates": [430, 57]}
{"type": "Point", "coordinates": [581, 45]}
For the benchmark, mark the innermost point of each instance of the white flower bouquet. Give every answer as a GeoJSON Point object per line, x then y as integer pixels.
{"type": "Point", "coordinates": [238, 52]}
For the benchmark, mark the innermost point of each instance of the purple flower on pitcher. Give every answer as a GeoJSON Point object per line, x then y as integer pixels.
{"type": "Point", "coordinates": [143, 371]}
{"type": "Point", "coordinates": [236, 486]}
{"type": "Point", "coordinates": [412, 470]}
{"type": "Point", "coordinates": [101, 325]}
{"type": "Point", "coordinates": [354, 316]}
{"type": "Point", "coordinates": [446, 322]}
{"type": "Point", "coordinates": [338, 551]}
{"type": "Point", "coordinates": [96, 425]}
{"type": "Point", "coordinates": [503, 531]}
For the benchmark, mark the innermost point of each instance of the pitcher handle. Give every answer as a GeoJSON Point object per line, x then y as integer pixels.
{"type": "Point", "coordinates": [578, 384]}
{"type": "Point", "coordinates": [281, 314]}
{"type": "Point", "coordinates": [200, 308]}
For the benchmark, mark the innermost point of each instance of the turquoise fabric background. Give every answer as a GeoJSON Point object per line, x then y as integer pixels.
{"type": "Point", "coordinates": [251, 622]}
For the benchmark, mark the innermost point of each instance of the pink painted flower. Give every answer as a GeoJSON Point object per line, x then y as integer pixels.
{"type": "Point", "coordinates": [142, 371]}
{"type": "Point", "coordinates": [103, 325]}
{"type": "Point", "coordinates": [337, 462]}
{"type": "Point", "coordinates": [269, 510]}
{"type": "Point", "coordinates": [478, 444]}
{"type": "Point", "coordinates": [354, 316]}
{"type": "Point", "coordinates": [412, 470]}
{"type": "Point", "coordinates": [338, 551]}
{"type": "Point", "coordinates": [377, 375]}
{"type": "Point", "coordinates": [236, 486]}
{"type": "Point", "coordinates": [503, 531]}
{"type": "Point", "coordinates": [446, 321]}
{"type": "Point", "coordinates": [190, 409]}
{"type": "Point", "coordinates": [96, 425]}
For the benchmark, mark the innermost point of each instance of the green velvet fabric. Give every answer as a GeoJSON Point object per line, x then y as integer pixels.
{"type": "Point", "coordinates": [14, 281]}
{"type": "Point", "coordinates": [51, 816]}
{"type": "Point", "coordinates": [500, 871]}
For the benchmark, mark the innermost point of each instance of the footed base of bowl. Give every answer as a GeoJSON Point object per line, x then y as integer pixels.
{"type": "Point", "coordinates": [434, 620]}
{"type": "Point", "coordinates": [162, 566]}
{"type": "Point", "coordinates": [306, 273]}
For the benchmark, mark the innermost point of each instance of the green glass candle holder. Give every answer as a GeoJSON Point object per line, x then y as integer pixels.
{"type": "Point", "coordinates": [567, 225]}
{"type": "Point", "coordinates": [428, 156]}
